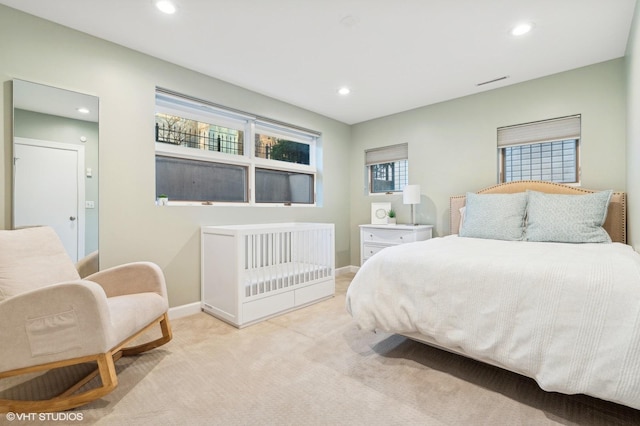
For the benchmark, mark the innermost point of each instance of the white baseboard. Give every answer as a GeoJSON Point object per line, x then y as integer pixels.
{"type": "Point", "coordinates": [347, 270]}
{"type": "Point", "coordinates": [184, 310]}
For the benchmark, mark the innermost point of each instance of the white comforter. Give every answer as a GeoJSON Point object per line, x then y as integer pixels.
{"type": "Point", "coordinates": [567, 315]}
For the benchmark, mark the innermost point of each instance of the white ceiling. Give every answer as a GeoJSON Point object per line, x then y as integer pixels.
{"type": "Point", "coordinates": [395, 55]}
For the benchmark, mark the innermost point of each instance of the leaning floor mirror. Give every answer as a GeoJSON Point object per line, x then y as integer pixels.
{"type": "Point", "coordinates": [55, 164]}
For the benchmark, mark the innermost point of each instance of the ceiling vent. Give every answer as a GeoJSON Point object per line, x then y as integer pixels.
{"type": "Point", "coordinates": [493, 81]}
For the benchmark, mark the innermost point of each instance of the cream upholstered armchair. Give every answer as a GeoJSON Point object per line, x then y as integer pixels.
{"type": "Point", "coordinates": [51, 318]}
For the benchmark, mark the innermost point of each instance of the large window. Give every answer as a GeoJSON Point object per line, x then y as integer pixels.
{"type": "Point", "coordinates": [208, 154]}
{"type": "Point", "coordinates": [387, 168]}
{"type": "Point", "coordinates": [545, 150]}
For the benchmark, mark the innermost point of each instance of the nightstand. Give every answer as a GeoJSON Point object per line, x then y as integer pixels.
{"type": "Point", "coordinates": [374, 238]}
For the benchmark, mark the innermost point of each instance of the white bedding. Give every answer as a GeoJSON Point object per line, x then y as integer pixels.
{"type": "Point", "coordinates": [567, 315]}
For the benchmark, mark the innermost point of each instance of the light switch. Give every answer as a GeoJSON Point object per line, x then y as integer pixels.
{"type": "Point", "coordinates": [90, 204]}
{"type": "Point", "coordinates": [89, 172]}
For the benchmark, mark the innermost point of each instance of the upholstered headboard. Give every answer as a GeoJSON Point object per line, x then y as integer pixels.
{"type": "Point", "coordinates": [615, 224]}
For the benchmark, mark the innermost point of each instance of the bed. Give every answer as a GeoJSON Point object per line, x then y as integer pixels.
{"type": "Point", "coordinates": [544, 287]}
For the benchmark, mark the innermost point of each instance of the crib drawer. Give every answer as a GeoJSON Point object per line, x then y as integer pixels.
{"type": "Point", "coordinates": [267, 306]}
{"type": "Point", "coordinates": [314, 292]}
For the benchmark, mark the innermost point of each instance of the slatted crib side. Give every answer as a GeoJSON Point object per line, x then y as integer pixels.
{"type": "Point", "coordinates": [314, 253]}
{"type": "Point", "coordinates": [267, 255]}
{"type": "Point", "coordinates": [278, 259]}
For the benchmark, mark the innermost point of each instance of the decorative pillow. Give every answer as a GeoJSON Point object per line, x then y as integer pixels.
{"type": "Point", "coordinates": [494, 216]}
{"type": "Point", "coordinates": [568, 218]}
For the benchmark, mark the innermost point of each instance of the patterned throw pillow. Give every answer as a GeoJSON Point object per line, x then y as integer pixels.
{"type": "Point", "coordinates": [494, 216]}
{"type": "Point", "coordinates": [567, 218]}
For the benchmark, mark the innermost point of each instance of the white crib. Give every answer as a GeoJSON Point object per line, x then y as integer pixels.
{"type": "Point", "coordinates": [253, 272]}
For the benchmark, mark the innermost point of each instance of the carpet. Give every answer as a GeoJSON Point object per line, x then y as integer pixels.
{"type": "Point", "coordinates": [314, 367]}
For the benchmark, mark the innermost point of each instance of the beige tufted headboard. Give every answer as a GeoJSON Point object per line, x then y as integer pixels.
{"type": "Point", "coordinates": [615, 224]}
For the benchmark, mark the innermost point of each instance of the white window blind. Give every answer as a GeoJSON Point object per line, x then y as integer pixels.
{"type": "Point", "coordinates": [545, 150]}
{"type": "Point", "coordinates": [540, 131]}
{"type": "Point", "coordinates": [386, 154]}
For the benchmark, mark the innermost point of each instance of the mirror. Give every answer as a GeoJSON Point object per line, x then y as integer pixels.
{"type": "Point", "coordinates": [55, 164]}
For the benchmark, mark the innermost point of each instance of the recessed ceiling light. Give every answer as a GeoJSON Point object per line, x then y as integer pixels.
{"type": "Point", "coordinates": [349, 21]}
{"type": "Point", "coordinates": [83, 110]}
{"type": "Point", "coordinates": [165, 6]}
{"type": "Point", "coordinates": [522, 29]}
{"type": "Point", "coordinates": [344, 91]}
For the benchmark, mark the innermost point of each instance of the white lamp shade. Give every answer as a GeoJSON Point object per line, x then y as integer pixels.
{"type": "Point", "coordinates": [411, 194]}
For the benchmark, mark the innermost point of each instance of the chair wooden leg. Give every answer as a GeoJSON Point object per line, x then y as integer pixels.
{"type": "Point", "coordinates": [90, 377]}
{"type": "Point", "coordinates": [167, 335]}
{"type": "Point", "coordinates": [67, 400]}
{"type": "Point", "coordinates": [106, 369]}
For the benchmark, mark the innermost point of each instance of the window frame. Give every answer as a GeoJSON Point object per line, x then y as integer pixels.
{"type": "Point", "coordinates": [249, 124]}
{"type": "Point", "coordinates": [538, 133]}
{"type": "Point", "coordinates": [390, 154]}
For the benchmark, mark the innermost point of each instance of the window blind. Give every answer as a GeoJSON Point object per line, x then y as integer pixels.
{"type": "Point", "coordinates": [557, 129]}
{"type": "Point", "coordinates": [286, 129]}
{"type": "Point", "coordinates": [386, 154]}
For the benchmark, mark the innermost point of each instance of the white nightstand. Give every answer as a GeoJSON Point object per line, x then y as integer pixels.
{"type": "Point", "coordinates": [374, 238]}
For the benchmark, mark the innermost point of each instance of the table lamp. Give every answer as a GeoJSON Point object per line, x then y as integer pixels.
{"type": "Point", "coordinates": [411, 195]}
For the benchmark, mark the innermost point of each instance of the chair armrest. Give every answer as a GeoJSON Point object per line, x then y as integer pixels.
{"type": "Point", "coordinates": [90, 264]}
{"type": "Point", "coordinates": [53, 323]}
{"type": "Point", "coordinates": [131, 278]}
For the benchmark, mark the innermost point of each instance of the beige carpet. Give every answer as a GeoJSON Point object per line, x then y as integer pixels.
{"type": "Point", "coordinates": [314, 367]}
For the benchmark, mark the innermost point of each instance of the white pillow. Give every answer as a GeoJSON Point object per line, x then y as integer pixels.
{"type": "Point", "coordinates": [461, 210]}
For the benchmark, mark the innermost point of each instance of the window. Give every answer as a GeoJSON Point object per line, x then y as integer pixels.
{"type": "Point", "coordinates": [387, 168]}
{"type": "Point", "coordinates": [284, 164]}
{"type": "Point", "coordinates": [180, 131]}
{"type": "Point", "coordinates": [204, 155]}
{"type": "Point", "coordinates": [275, 148]}
{"type": "Point", "coordinates": [196, 180]}
{"type": "Point", "coordinates": [545, 150]}
{"type": "Point", "coordinates": [276, 186]}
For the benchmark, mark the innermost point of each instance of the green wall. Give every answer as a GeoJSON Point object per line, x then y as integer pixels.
{"type": "Point", "coordinates": [131, 226]}
{"type": "Point", "coordinates": [452, 145]}
{"type": "Point", "coordinates": [633, 131]}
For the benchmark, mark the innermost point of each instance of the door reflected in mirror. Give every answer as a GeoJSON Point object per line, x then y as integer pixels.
{"type": "Point", "coordinates": [55, 164]}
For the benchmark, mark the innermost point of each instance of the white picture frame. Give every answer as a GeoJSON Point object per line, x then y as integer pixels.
{"type": "Point", "coordinates": [379, 213]}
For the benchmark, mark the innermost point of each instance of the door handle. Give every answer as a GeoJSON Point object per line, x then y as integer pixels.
{"type": "Point", "coordinates": [72, 218]}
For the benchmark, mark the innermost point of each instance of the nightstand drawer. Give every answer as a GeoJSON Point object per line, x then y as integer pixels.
{"type": "Point", "coordinates": [374, 238]}
{"type": "Point", "coordinates": [369, 250]}
{"type": "Point", "coordinates": [390, 236]}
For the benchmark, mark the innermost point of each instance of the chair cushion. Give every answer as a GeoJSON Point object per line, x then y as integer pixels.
{"type": "Point", "coordinates": [32, 258]}
{"type": "Point", "coordinates": [132, 312]}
